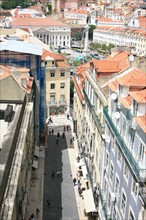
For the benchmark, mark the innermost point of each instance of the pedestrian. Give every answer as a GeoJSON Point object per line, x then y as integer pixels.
{"type": "Point", "coordinates": [49, 132]}
{"type": "Point", "coordinates": [64, 128]}
{"type": "Point", "coordinates": [32, 217]}
{"type": "Point", "coordinates": [73, 138]}
{"type": "Point", "coordinates": [74, 181]}
{"type": "Point", "coordinates": [57, 140]}
{"type": "Point", "coordinates": [67, 127]}
{"type": "Point", "coordinates": [50, 120]}
{"type": "Point", "coordinates": [37, 212]}
{"type": "Point", "coordinates": [52, 174]}
{"type": "Point", "coordinates": [63, 135]}
{"type": "Point", "coordinates": [71, 141]}
{"type": "Point", "coordinates": [58, 173]}
{"type": "Point", "coordinates": [48, 202]}
{"type": "Point", "coordinates": [58, 134]}
{"type": "Point", "coordinates": [80, 192]}
{"type": "Point", "coordinates": [67, 116]}
{"type": "Point", "coordinates": [52, 131]}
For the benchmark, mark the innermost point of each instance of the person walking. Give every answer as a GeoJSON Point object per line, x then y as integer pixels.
{"type": "Point", "coordinates": [74, 181]}
{"type": "Point", "coordinates": [71, 141]}
{"type": "Point", "coordinates": [48, 203]}
{"type": "Point", "coordinates": [37, 212]}
{"type": "Point", "coordinates": [58, 173]}
{"type": "Point", "coordinates": [64, 128]}
{"type": "Point", "coordinates": [67, 116]}
{"type": "Point", "coordinates": [58, 134]}
{"type": "Point", "coordinates": [52, 174]}
{"type": "Point", "coordinates": [52, 131]}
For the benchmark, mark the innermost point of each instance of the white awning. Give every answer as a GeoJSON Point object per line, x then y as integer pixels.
{"type": "Point", "coordinates": [85, 173]}
{"type": "Point", "coordinates": [89, 201]}
{"type": "Point", "coordinates": [35, 164]}
{"type": "Point", "coordinates": [37, 151]}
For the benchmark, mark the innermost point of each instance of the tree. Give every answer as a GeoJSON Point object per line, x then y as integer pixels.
{"type": "Point", "coordinates": [77, 35]}
{"type": "Point", "coordinates": [8, 4]}
{"type": "Point", "coordinates": [91, 28]}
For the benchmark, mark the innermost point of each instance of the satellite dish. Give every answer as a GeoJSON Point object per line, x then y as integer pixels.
{"type": "Point", "coordinates": [114, 96]}
{"type": "Point", "coordinates": [116, 115]}
{"type": "Point", "coordinates": [131, 58]}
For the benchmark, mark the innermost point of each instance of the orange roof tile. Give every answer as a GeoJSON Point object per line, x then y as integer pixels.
{"type": "Point", "coordinates": [113, 85]}
{"type": "Point", "coordinates": [142, 21]}
{"type": "Point", "coordinates": [139, 96]}
{"type": "Point", "coordinates": [141, 120]}
{"type": "Point", "coordinates": [53, 55]}
{"type": "Point", "coordinates": [126, 101]}
{"type": "Point", "coordinates": [36, 22]}
{"type": "Point", "coordinates": [62, 64]}
{"type": "Point", "coordinates": [134, 78]}
{"type": "Point", "coordinates": [78, 88]}
{"type": "Point", "coordinates": [106, 66]}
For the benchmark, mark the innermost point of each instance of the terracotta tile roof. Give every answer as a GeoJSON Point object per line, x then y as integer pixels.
{"type": "Point", "coordinates": [134, 78]}
{"type": "Point", "coordinates": [55, 56]}
{"type": "Point", "coordinates": [126, 101]}
{"type": "Point", "coordinates": [121, 58]}
{"type": "Point", "coordinates": [36, 22]}
{"type": "Point", "coordinates": [141, 120]}
{"type": "Point", "coordinates": [78, 88]}
{"type": "Point", "coordinates": [139, 96]}
{"type": "Point", "coordinates": [142, 21]}
{"type": "Point", "coordinates": [62, 64]}
{"type": "Point", "coordinates": [113, 85]}
{"type": "Point", "coordinates": [103, 66]}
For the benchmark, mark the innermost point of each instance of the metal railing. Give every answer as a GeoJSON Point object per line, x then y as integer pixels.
{"type": "Point", "coordinates": [124, 149]}
{"type": "Point", "coordinates": [104, 205]}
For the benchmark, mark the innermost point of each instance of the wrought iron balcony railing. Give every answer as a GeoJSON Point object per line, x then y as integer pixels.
{"type": "Point", "coordinates": [140, 174]}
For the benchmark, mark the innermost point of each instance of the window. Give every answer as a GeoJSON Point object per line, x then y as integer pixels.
{"type": "Point", "coordinates": [126, 171]}
{"type": "Point", "coordinates": [123, 203]}
{"type": "Point", "coordinates": [141, 152]}
{"type": "Point", "coordinates": [119, 157]}
{"type": "Point", "coordinates": [111, 172]}
{"type": "Point", "coordinates": [117, 185]}
{"type": "Point", "coordinates": [53, 62]}
{"type": "Point", "coordinates": [52, 74]}
{"type": "Point", "coordinates": [62, 73]}
{"type": "Point", "coordinates": [62, 85]}
{"type": "Point", "coordinates": [109, 201]}
{"type": "Point", "coordinates": [114, 214]}
{"type": "Point", "coordinates": [62, 99]}
{"type": "Point", "coordinates": [52, 98]}
{"type": "Point", "coordinates": [131, 216]}
{"type": "Point", "coordinates": [134, 188]}
{"type": "Point", "coordinates": [107, 160]}
{"type": "Point", "coordinates": [52, 86]}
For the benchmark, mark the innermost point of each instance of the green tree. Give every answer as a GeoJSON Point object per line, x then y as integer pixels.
{"type": "Point", "coordinates": [91, 28]}
{"type": "Point", "coordinates": [77, 35]}
{"type": "Point", "coordinates": [8, 4]}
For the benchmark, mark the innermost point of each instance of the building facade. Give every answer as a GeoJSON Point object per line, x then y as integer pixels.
{"type": "Point", "coordinates": [124, 166]}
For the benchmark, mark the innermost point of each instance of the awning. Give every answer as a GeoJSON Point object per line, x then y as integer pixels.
{"type": "Point", "coordinates": [89, 201]}
{"type": "Point", "coordinates": [37, 151]}
{"type": "Point", "coordinates": [85, 173]}
{"type": "Point", "coordinates": [35, 164]}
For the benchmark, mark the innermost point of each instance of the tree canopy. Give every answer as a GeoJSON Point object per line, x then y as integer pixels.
{"type": "Point", "coordinates": [8, 4]}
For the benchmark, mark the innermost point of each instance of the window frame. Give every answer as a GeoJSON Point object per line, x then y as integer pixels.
{"type": "Point", "coordinates": [51, 85]}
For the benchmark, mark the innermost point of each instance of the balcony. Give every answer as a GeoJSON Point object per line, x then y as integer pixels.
{"type": "Point", "coordinates": [140, 174]}
{"type": "Point", "coordinates": [52, 103]}
{"type": "Point", "coordinates": [104, 206]}
{"type": "Point", "coordinates": [142, 195]}
{"type": "Point", "coordinates": [62, 102]}
{"type": "Point", "coordinates": [94, 115]}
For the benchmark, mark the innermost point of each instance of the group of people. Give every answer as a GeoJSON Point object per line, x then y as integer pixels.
{"type": "Point", "coordinates": [79, 185]}
{"type": "Point", "coordinates": [58, 173]}
{"type": "Point", "coordinates": [51, 132]}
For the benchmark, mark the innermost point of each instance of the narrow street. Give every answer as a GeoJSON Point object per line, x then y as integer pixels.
{"type": "Point", "coordinates": [59, 190]}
